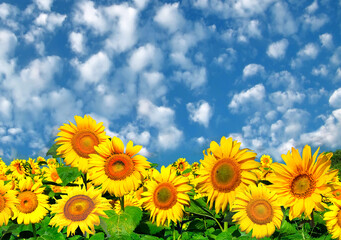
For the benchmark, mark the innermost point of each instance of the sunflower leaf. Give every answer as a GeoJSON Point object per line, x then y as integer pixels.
{"type": "Point", "coordinates": [53, 151]}
{"type": "Point", "coordinates": [68, 174]}
{"type": "Point", "coordinates": [97, 236]}
{"type": "Point", "coordinates": [199, 207]}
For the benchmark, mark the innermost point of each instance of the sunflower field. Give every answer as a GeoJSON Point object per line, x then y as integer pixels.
{"type": "Point", "coordinates": [91, 186]}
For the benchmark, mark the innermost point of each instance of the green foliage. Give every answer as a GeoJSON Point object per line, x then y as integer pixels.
{"type": "Point", "coordinates": [121, 226]}
{"type": "Point", "coordinates": [53, 151]}
{"type": "Point", "coordinates": [68, 174]}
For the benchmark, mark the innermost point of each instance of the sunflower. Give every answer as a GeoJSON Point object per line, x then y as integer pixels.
{"type": "Point", "coordinates": [257, 209]}
{"type": "Point", "coordinates": [181, 165]}
{"type": "Point", "coordinates": [51, 175]}
{"type": "Point", "coordinates": [17, 168]}
{"type": "Point", "coordinates": [33, 204]}
{"type": "Point", "coordinates": [78, 141]}
{"type": "Point", "coordinates": [224, 170]}
{"type": "Point", "coordinates": [7, 202]}
{"type": "Point", "coordinates": [79, 208]}
{"type": "Point", "coordinates": [266, 160]}
{"type": "Point", "coordinates": [118, 172]}
{"type": "Point", "coordinates": [34, 167]}
{"type": "Point", "coordinates": [166, 196]}
{"type": "Point", "coordinates": [333, 219]}
{"type": "Point", "coordinates": [300, 183]}
{"type": "Point", "coordinates": [129, 200]}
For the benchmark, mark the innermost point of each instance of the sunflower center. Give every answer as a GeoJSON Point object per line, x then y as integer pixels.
{"type": "Point", "coordinates": [259, 211]}
{"type": "Point", "coordinates": [303, 186]}
{"type": "Point", "coordinates": [19, 168]}
{"type": "Point", "coordinates": [83, 143]}
{"type": "Point", "coordinates": [28, 202]}
{"type": "Point", "coordinates": [337, 193]}
{"type": "Point", "coordinates": [119, 166]}
{"type": "Point", "coordinates": [181, 166]}
{"type": "Point", "coordinates": [2, 203]}
{"type": "Point", "coordinates": [78, 207]}
{"type": "Point", "coordinates": [165, 196]}
{"type": "Point", "coordinates": [54, 176]}
{"type": "Point", "coordinates": [225, 175]}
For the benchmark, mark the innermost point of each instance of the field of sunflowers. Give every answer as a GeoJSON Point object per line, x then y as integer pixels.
{"type": "Point", "coordinates": [91, 186]}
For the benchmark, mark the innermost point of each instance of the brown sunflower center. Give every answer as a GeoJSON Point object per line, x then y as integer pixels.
{"type": "Point", "coordinates": [303, 186]}
{"type": "Point", "coordinates": [78, 207]}
{"type": "Point", "coordinates": [337, 193]}
{"type": "Point", "coordinates": [83, 143]}
{"type": "Point", "coordinates": [259, 211]}
{"type": "Point", "coordinates": [28, 202]}
{"type": "Point", "coordinates": [2, 203]}
{"type": "Point", "coordinates": [181, 166]}
{"type": "Point", "coordinates": [165, 196]}
{"type": "Point", "coordinates": [225, 175]}
{"type": "Point", "coordinates": [3, 177]}
{"type": "Point", "coordinates": [119, 166]}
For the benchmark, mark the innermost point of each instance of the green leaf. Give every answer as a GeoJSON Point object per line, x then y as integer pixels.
{"type": "Point", "coordinates": [53, 151]}
{"type": "Point", "coordinates": [287, 228]}
{"type": "Point", "coordinates": [224, 236]}
{"type": "Point", "coordinates": [148, 237]}
{"type": "Point", "coordinates": [123, 224]}
{"type": "Point", "coordinates": [148, 228]}
{"type": "Point", "coordinates": [154, 165]}
{"type": "Point", "coordinates": [68, 174]}
{"type": "Point", "coordinates": [199, 207]}
{"type": "Point", "coordinates": [196, 225]}
{"type": "Point", "coordinates": [188, 170]}
{"type": "Point", "coordinates": [97, 236]}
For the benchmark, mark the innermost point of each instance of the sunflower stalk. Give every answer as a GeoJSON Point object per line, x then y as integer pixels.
{"type": "Point", "coordinates": [226, 226]}
{"type": "Point", "coordinates": [122, 203]}
{"type": "Point", "coordinates": [34, 231]}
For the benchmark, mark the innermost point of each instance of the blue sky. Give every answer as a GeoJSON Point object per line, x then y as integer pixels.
{"type": "Point", "coordinates": [172, 76]}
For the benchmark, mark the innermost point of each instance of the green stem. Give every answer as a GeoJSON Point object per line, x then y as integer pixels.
{"type": "Point", "coordinates": [173, 228]}
{"type": "Point", "coordinates": [34, 230]}
{"type": "Point", "coordinates": [225, 226]}
{"type": "Point", "coordinates": [221, 228]}
{"type": "Point", "coordinates": [122, 203]}
{"type": "Point", "coordinates": [84, 180]}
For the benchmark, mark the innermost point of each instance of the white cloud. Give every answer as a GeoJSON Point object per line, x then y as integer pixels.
{"type": "Point", "coordinates": [8, 14]}
{"type": "Point", "coordinates": [152, 85]}
{"type": "Point", "coordinates": [141, 4]}
{"type": "Point", "coordinates": [286, 100]}
{"type": "Point", "coordinates": [278, 49]}
{"type": "Point", "coordinates": [314, 22]}
{"type": "Point", "coordinates": [14, 131]}
{"type": "Point", "coordinates": [95, 68]}
{"type": "Point", "coordinates": [169, 136]}
{"type": "Point", "coordinates": [8, 42]}
{"type": "Point", "coordinates": [200, 112]}
{"type": "Point", "coordinates": [283, 22]}
{"type": "Point", "coordinates": [44, 4]}
{"type": "Point", "coordinates": [201, 140]}
{"type": "Point", "coordinates": [5, 108]}
{"type": "Point", "coordinates": [309, 51]}
{"type": "Point", "coordinates": [123, 24]}
{"type": "Point", "coordinates": [326, 40]}
{"type": "Point", "coordinates": [338, 74]}
{"type": "Point", "coordinates": [131, 132]}
{"type": "Point", "coordinates": [312, 7]}
{"type": "Point", "coordinates": [144, 56]}
{"type": "Point", "coordinates": [227, 59]}
{"type": "Point", "coordinates": [253, 69]}
{"type": "Point", "coordinates": [328, 134]}
{"type": "Point", "coordinates": [194, 79]}
{"type": "Point", "coordinates": [283, 79]}
{"type": "Point", "coordinates": [50, 21]}
{"type": "Point", "coordinates": [169, 17]}
{"type": "Point", "coordinates": [77, 41]}
{"type": "Point", "coordinates": [321, 70]}
{"type": "Point", "coordinates": [336, 58]}
{"type": "Point", "coordinates": [242, 101]}
{"type": "Point", "coordinates": [335, 99]}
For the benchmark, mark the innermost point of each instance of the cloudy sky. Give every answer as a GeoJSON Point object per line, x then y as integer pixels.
{"type": "Point", "coordinates": [172, 76]}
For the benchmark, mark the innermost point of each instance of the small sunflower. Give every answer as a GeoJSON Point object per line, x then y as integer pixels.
{"type": "Point", "coordinates": [78, 141]}
{"type": "Point", "coordinates": [7, 202]}
{"type": "Point", "coordinates": [116, 170]}
{"type": "Point", "coordinates": [333, 219]}
{"type": "Point", "coordinates": [257, 209]}
{"type": "Point", "coordinates": [300, 183]}
{"type": "Point", "coordinates": [33, 204]}
{"type": "Point", "coordinates": [166, 196]}
{"type": "Point", "coordinates": [79, 208]}
{"type": "Point", "coordinates": [130, 199]}
{"type": "Point", "coordinates": [51, 175]}
{"type": "Point", "coordinates": [181, 165]}
{"type": "Point", "coordinates": [17, 168]}
{"type": "Point", "coordinates": [266, 160]}
{"type": "Point", "coordinates": [34, 167]}
{"type": "Point", "coordinates": [224, 170]}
